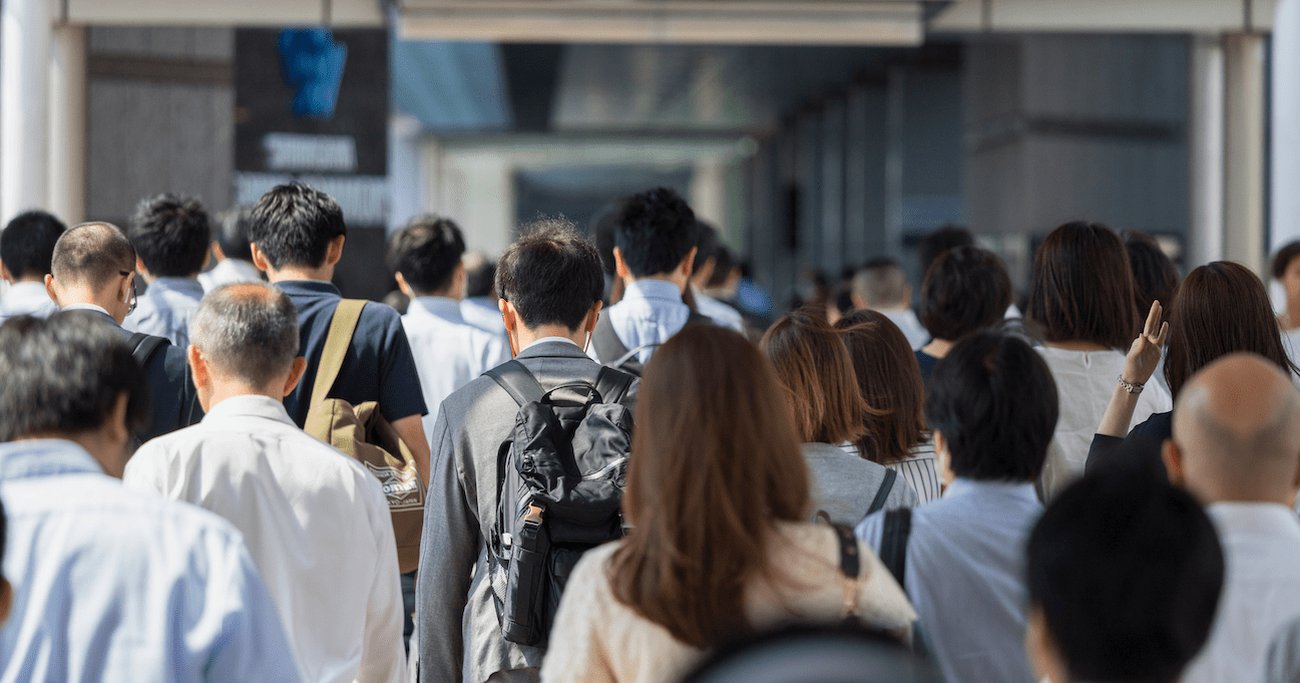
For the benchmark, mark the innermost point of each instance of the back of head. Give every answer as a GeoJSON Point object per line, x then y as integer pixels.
{"type": "Point", "coordinates": [889, 380]}
{"type": "Point", "coordinates": [1155, 277]}
{"type": "Point", "coordinates": [1237, 430]}
{"type": "Point", "coordinates": [713, 447]}
{"type": "Point", "coordinates": [1283, 258]}
{"type": "Point", "coordinates": [946, 237]}
{"type": "Point", "coordinates": [551, 275]}
{"type": "Point", "coordinates": [427, 252]}
{"type": "Point", "coordinates": [656, 230]}
{"type": "Point", "coordinates": [724, 266]}
{"type": "Point", "coordinates": [881, 283]}
{"type": "Point", "coordinates": [92, 254]}
{"type": "Point", "coordinates": [480, 274]}
{"type": "Point", "coordinates": [232, 233]}
{"type": "Point", "coordinates": [293, 225]}
{"type": "Point", "coordinates": [1125, 573]}
{"type": "Point", "coordinates": [994, 400]}
{"type": "Point", "coordinates": [64, 376]}
{"type": "Point", "coordinates": [27, 244]}
{"type": "Point", "coordinates": [815, 653]}
{"type": "Point", "coordinates": [967, 289]}
{"type": "Point", "coordinates": [815, 369]}
{"type": "Point", "coordinates": [171, 235]}
{"type": "Point", "coordinates": [247, 332]}
{"type": "Point", "coordinates": [1082, 288]}
{"type": "Point", "coordinates": [706, 243]}
{"type": "Point", "coordinates": [1221, 307]}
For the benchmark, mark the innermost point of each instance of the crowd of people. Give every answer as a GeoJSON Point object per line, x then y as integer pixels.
{"type": "Point", "coordinates": [597, 460]}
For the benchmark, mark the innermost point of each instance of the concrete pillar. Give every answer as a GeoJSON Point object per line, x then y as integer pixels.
{"type": "Point", "coordinates": [708, 192]}
{"type": "Point", "coordinates": [1205, 238]}
{"type": "Point", "coordinates": [25, 33]}
{"type": "Point", "coordinates": [1284, 198]}
{"type": "Point", "coordinates": [68, 140]}
{"type": "Point", "coordinates": [1243, 195]}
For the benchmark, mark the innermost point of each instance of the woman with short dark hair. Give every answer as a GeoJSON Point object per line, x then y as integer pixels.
{"type": "Point", "coordinates": [965, 290]}
{"type": "Point", "coordinates": [1081, 306]}
{"type": "Point", "coordinates": [1221, 308]}
{"type": "Point", "coordinates": [720, 546]}
{"type": "Point", "coordinates": [893, 418]}
{"type": "Point", "coordinates": [821, 389]}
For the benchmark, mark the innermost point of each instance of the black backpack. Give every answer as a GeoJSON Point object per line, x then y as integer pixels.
{"type": "Point", "coordinates": [559, 492]}
{"type": "Point", "coordinates": [614, 353]}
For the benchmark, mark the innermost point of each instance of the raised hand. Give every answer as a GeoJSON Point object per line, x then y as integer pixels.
{"type": "Point", "coordinates": [1144, 354]}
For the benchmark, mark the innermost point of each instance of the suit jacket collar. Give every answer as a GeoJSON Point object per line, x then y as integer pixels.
{"type": "Point", "coordinates": [555, 349]}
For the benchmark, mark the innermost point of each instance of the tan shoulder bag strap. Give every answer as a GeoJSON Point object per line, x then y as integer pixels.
{"type": "Point", "coordinates": [346, 316]}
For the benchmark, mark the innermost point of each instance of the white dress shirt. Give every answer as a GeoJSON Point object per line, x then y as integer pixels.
{"type": "Point", "coordinates": [484, 313]}
{"type": "Point", "coordinates": [911, 326]}
{"type": "Point", "coordinates": [1085, 382]}
{"type": "Point", "coordinates": [166, 308]}
{"type": "Point", "coordinates": [228, 272]}
{"type": "Point", "coordinates": [651, 311]}
{"type": "Point", "coordinates": [721, 313]}
{"type": "Point", "coordinates": [1261, 590]}
{"type": "Point", "coordinates": [965, 576]}
{"type": "Point", "coordinates": [117, 585]}
{"type": "Point", "coordinates": [449, 352]}
{"type": "Point", "coordinates": [315, 520]}
{"type": "Point", "coordinates": [26, 298]}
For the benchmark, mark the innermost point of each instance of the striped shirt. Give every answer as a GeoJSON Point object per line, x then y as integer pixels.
{"type": "Point", "coordinates": [919, 469]}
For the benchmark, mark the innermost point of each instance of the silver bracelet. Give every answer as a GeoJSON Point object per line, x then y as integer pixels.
{"type": "Point", "coordinates": [1130, 387]}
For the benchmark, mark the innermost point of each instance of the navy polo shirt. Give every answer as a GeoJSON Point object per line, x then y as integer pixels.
{"type": "Point", "coordinates": [378, 366]}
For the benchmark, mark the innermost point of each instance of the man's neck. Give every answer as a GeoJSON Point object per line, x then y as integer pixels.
{"type": "Point", "coordinates": [677, 280]}
{"type": "Point", "coordinates": [525, 337]}
{"type": "Point", "coordinates": [440, 294]}
{"type": "Point", "coordinates": [34, 280]}
{"type": "Point", "coordinates": [292, 273]}
{"type": "Point", "coordinates": [225, 392]}
{"type": "Point", "coordinates": [107, 302]}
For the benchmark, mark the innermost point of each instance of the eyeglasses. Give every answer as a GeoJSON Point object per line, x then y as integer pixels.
{"type": "Point", "coordinates": [130, 306]}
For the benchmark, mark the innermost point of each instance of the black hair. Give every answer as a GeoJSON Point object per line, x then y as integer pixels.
{"type": "Point", "coordinates": [940, 240]}
{"type": "Point", "coordinates": [1284, 257]}
{"type": "Point", "coordinates": [604, 229]}
{"type": "Point", "coordinates": [551, 275]}
{"type": "Point", "coordinates": [64, 376]}
{"type": "Point", "coordinates": [994, 400]}
{"type": "Point", "coordinates": [426, 253]}
{"type": "Point", "coordinates": [1155, 277]}
{"type": "Point", "coordinates": [27, 243]}
{"type": "Point", "coordinates": [656, 230]}
{"type": "Point", "coordinates": [293, 225]}
{"type": "Point", "coordinates": [232, 233]}
{"type": "Point", "coordinates": [1127, 571]}
{"type": "Point", "coordinates": [480, 277]}
{"type": "Point", "coordinates": [966, 289]}
{"type": "Point", "coordinates": [706, 243]}
{"type": "Point", "coordinates": [171, 235]}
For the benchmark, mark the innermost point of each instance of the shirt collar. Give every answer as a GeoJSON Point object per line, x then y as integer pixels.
{"type": "Point", "coordinates": [653, 289]}
{"type": "Point", "coordinates": [184, 285]}
{"type": "Point", "coordinates": [87, 307]}
{"type": "Point", "coordinates": [307, 287]}
{"type": "Point", "coordinates": [1013, 489]}
{"type": "Point", "coordinates": [45, 458]}
{"type": "Point", "coordinates": [250, 405]}
{"type": "Point", "coordinates": [549, 340]}
{"type": "Point", "coordinates": [28, 289]}
{"type": "Point", "coordinates": [1272, 519]}
{"type": "Point", "coordinates": [437, 306]}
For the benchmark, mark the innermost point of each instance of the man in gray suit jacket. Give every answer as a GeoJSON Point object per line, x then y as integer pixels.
{"type": "Point", "coordinates": [550, 283]}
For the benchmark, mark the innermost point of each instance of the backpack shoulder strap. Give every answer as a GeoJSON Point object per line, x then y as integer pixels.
{"type": "Point", "coordinates": [850, 568]}
{"type": "Point", "coordinates": [605, 339]}
{"type": "Point", "coordinates": [697, 318]}
{"type": "Point", "coordinates": [882, 494]}
{"type": "Point", "coordinates": [342, 326]}
{"type": "Point", "coordinates": [143, 346]}
{"type": "Point", "coordinates": [522, 386]}
{"type": "Point", "coordinates": [893, 542]}
{"type": "Point", "coordinates": [613, 385]}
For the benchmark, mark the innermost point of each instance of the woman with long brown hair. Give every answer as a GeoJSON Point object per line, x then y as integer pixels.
{"type": "Point", "coordinates": [821, 390]}
{"type": "Point", "coordinates": [1220, 308]}
{"type": "Point", "coordinates": [893, 419]}
{"type": "Point", "coordinates": [718, 500]}
{"type": "Point", "coordinates": [1081, 306]}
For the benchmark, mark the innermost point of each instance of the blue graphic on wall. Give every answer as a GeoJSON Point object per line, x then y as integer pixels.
{"type": "Point", "coordinates": [312, 64]}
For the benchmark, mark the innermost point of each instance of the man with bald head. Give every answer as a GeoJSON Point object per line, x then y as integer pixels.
{"type": "Point", "coordinates": [93, 270]}
{"type": "Point", "coordinates": [315, 521]}
{"type": "Point", "coordinates": [1236, 447]}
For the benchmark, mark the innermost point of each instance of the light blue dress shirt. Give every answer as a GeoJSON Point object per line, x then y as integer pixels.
{"type": "Point", "coordinates": [965, 576]}
{"type": "Point", "coordinates": [115, 585]}
{"type": "Point", "coordinates": [166, 308]}
{"type": "Point", "coordinates": [650, 312]}
{"type": "Point", "coordinates": [26, 298]}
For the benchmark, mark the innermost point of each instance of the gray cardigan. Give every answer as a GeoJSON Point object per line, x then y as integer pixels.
{"type": "Point", "coordinates": [844, 484]}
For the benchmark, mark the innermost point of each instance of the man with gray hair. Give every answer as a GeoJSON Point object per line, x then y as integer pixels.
{"type": "Point", "coordinates": [881, 285]}
{"type": "Point", "coordinates": [315, 520]}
